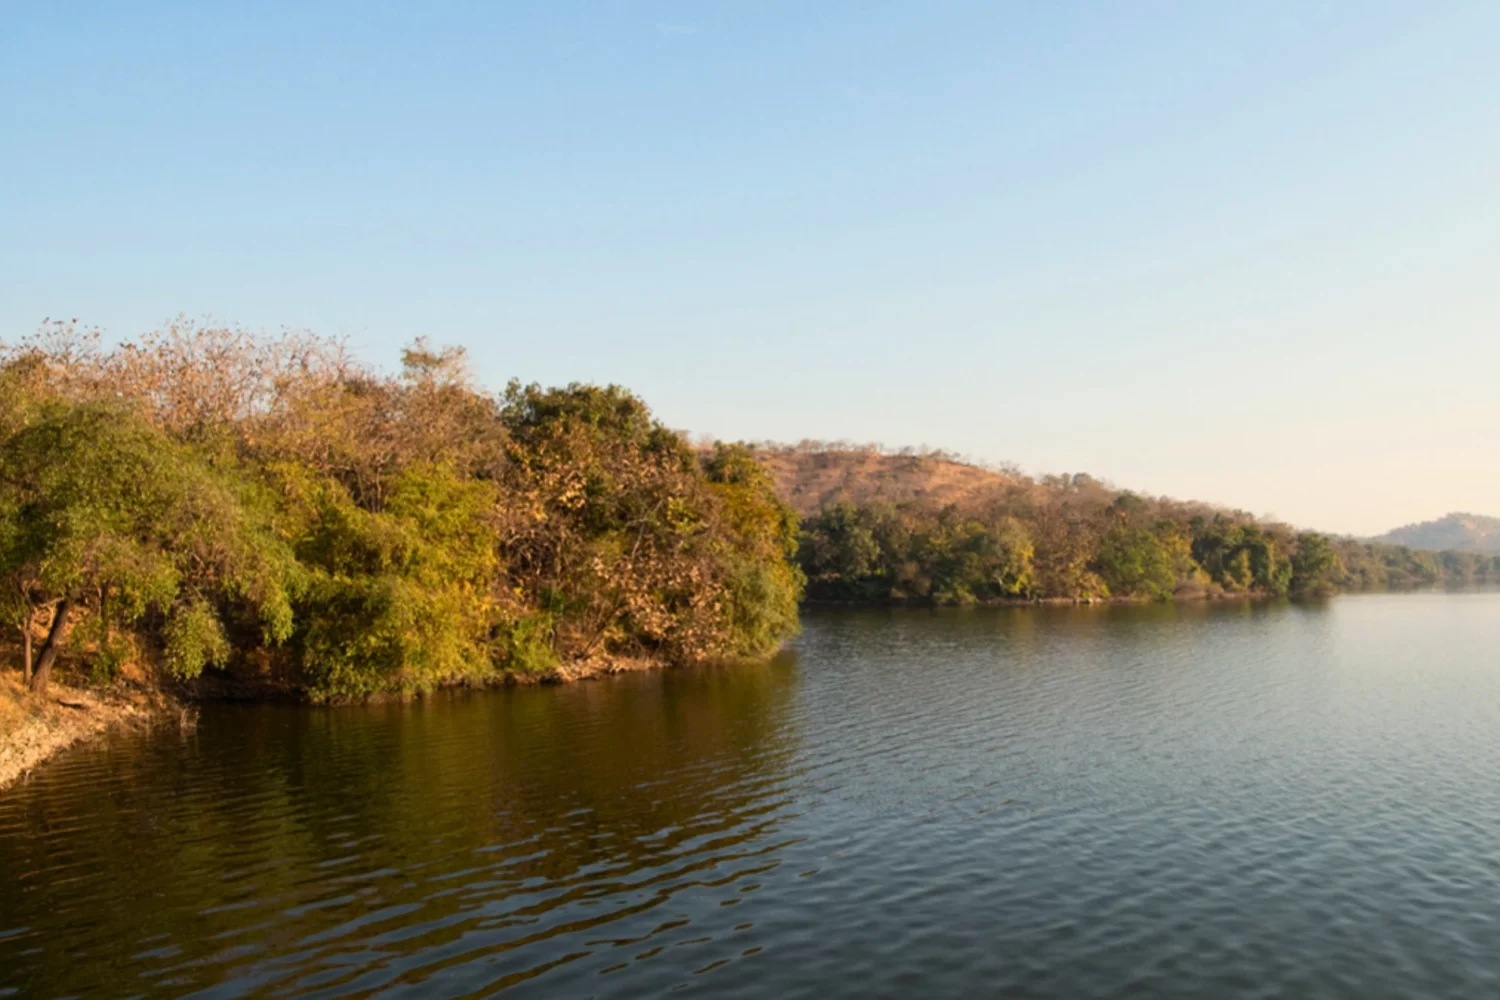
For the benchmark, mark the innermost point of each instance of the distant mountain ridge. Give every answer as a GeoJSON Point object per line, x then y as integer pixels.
{"type": "Point", "coordinates": [1463, 532]}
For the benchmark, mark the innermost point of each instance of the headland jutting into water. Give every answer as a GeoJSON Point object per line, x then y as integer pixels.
{"type": "Point", "coordinates": [207, 510]}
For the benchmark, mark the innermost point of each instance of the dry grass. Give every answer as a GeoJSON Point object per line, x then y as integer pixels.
{"type": "Point", "coordinates": [16, 706]}
{"type": "Point", "coordinates": [810, 480]}
{"type": "Point", "coordinates": [34, 728]}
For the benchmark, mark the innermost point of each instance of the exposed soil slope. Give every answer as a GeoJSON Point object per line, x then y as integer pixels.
{"type": "Point", "coordinates": [34, 728]}
{"type": "Point", "coordinates": [1462, 532]}
{"type": "Point", "coordinates": [812, 479]}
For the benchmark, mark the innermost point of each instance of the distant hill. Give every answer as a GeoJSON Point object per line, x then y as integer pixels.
{"type": "Point", "coordinates": [928, 527]}
{"type": "Point", "coordinates": [1464, 532]}
{"type": "Point", "coordinates": [812, 476]}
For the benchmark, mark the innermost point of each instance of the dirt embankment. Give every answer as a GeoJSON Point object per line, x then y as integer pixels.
{"type": "Point", "coordinates": [264, 683]}
{"type": "Point", "coordinates": [811, 479]}
{"type": "Point", "coordinates": [33, 728]}
{"type": "Point", "coordinates": [585, 670]}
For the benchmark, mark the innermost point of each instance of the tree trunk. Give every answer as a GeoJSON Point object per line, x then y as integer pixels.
{"type": "Point", "coordinates": [26, 645]}
{"type": "Point", "coordinates": [56, 636]}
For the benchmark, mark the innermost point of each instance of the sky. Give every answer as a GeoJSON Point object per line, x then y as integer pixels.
{"type": "Point", "coordinates": [1243, 253]}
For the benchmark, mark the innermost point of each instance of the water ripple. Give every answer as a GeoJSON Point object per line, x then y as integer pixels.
{"type": "Point", "coordinates": [1237, 800]}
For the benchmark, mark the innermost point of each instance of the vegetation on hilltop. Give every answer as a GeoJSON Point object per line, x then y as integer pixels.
{"type": "Point", "coordinates": [1072, 537]}
{"type": "Point", "coordinates": [204, 497]}
{"type": "Point", "coordinates": [1460, 532]}
{"type": "Point", "coordinates": [812, 475]}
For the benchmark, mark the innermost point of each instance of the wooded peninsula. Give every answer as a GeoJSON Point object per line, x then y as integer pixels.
{"type": "Point", "coordinates": [270, 510]}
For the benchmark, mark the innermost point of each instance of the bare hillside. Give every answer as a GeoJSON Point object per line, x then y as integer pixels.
{"type": "Point", "coordinates": [1463, 532]}
{"type": "Point", "coordinates": [811, 479]}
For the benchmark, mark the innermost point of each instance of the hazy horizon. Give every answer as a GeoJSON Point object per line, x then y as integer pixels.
{"type": "Point", "coordinates": [1244, 256]}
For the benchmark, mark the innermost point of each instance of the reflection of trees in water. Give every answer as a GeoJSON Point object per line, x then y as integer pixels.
{"type": "Point", "coordinates": [631, 757]}
{"type": "Point", "coordinates": [270, 827]}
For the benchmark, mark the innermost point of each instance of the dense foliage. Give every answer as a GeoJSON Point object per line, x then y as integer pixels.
{"type": "Point", "coordinates": [1074, 538]}
{"type": "Point", "coordinates": [208, 498]}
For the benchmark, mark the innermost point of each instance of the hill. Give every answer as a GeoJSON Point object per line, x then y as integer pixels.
{"type": "Point", "coordinates": [811, 476]}
{"type": "Point", "coordinates": [1456, 531]}
{"type": "Point", "coordinates": [926, 527]}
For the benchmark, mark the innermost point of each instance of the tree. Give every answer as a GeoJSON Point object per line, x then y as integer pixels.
{"type": "Point", "coordinates": [1316, 568]}
{"type": "Point", "coordinates": [417, 530]}
{"type": "Point", "coordinates": [401, 599]}
{"type": "Point", "coordinates": [839, 552]}
{"type": "Point", "coordinates": [622, 542]}
{"type": "Point", "coordinates": [108, 517]}
{"type": "Point", "coordinates": [758, 534]}
{"type": "Point", "coordinates": [1134, 562]}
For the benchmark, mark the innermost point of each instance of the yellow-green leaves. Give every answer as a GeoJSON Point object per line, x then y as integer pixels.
{"type": "Point", "coordinates": [217, 493]}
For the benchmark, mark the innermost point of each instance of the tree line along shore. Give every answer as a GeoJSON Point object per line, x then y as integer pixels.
{"type": "Point", "coordinates": [270, 511]}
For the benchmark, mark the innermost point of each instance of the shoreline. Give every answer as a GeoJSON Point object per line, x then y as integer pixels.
{"type": "Point", "coordinates": [232, 687]}
{"type": "Point", "coordinates": [583, 670]}
{"type": "Point", "coordinates": [34, 730]}
{"type": "Point", "coordinates": [1031, 602]}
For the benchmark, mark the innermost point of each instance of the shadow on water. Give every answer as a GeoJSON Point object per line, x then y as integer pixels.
{"type": "Point", "coordinates": [1224, 800]}
{"type": "Point", "coordinates": [347, 849]}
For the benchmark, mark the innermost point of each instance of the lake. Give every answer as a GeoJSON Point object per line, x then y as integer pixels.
{"type": "Point", "coordinates": [1207, 800]}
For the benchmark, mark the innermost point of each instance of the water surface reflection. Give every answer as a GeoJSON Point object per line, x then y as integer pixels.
{"type": "Point", "coordinates": [1177, 801]}
{"type": "Point", "coordinates": [460, 842]}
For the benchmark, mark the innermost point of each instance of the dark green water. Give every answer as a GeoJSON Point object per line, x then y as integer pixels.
{"type": "Point", "coordinates": [1193, 801]}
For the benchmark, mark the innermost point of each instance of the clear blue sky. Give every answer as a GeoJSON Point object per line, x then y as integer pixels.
{"type": "Point", "coordinates": [1247, 253]}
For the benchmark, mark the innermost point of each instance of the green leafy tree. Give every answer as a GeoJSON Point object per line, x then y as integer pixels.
{"type": "Point", "coordinates": [626, 544]}
{"type": "Point", "coordinates": [756, 553]}
{"type": "Point", "coordinates": [839, 553]}
{"type": "Point", "coordinates": [106, 516]}
{"type": "Point", "coordinates": [1134, 562]}
{"type": "Point", "coordinates": [1316, 568]}
{"type": "Point", "coordinates": [401, 599]}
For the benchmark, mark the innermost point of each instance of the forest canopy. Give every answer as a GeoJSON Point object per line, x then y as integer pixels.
{"type": "Point", "coordinates": [205, 497]}
{"type": "Point", "coordinates": [1074, 538]}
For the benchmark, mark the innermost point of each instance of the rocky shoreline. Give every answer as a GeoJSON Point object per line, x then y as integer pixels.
{"type": "Point", "coordinates": [35, 728]}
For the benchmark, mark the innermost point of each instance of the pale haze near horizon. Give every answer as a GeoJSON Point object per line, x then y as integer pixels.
{"type": "Point", "coordinates": [1238, 253]}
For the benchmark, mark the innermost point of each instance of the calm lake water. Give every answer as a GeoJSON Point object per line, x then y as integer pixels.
{"type": "Point", "coordinates": [1228, 800]}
